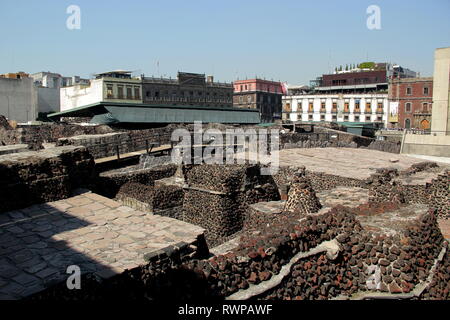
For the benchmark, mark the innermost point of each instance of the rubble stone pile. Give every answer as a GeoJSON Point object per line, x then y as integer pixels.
{"type": "Point", "coordinates": [32, 177]}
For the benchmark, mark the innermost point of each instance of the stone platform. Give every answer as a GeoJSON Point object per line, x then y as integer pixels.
{"type": "Point", "coordinates": [99, 235]}
{"type": "Point", "coordinates": [344, 162]}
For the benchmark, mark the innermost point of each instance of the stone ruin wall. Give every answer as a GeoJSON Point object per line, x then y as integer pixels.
{"type": "Point", "coordinates": [110, 182]}
{"type": "Point", "coordinates": [386, 185]}
{"type": "Point", "coordinates": [161, 199]}
{"type": "Point", "coordinates": [36, 135]}
{"type": "Point", "coordinates": [32, 177]}
{"type": "Point", "coordinates": [322, 256]}
{"type": "Point", "coordinates": [321, 138]}
{"type": "Point", "coordinates": [216, 197]}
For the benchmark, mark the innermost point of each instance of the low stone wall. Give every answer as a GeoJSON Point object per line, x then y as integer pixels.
{"type": "Point", "coordinates": [35, 135]}
{"type": "Point", "coordinates": [32, 177]}
{"type": "Point", "coordinates": [109, 182]}
{"type": "Point", "coordinates": [325, 138]}
{"type": "Point", "coordinates": [385, 185]}
{"type": "Point", "coordinates": [154, 199]}
{"type": "Point", "coordinates": [319, 181]}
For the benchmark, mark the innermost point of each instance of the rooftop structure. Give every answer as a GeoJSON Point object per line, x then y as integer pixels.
{"type": "Point", "coordinates": [114, 113]}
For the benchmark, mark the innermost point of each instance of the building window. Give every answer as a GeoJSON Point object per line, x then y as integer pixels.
{"type": "Point", "coordinates": [334, 117]}
{"type": "Point", "coordinates": [346, 107]}
{"type": "Point", "coordinates": [409, 91]}
{"type": "Point", "coordinates": [356, 118]}
{"type": "Point", "coordinates": [408, 107]}
{"type": "Point", "coordinates": [425, 91]}
{"type": "Point", "coordinates": [334, 107]}
{"type": "Point", "coordinates": [368, 107]}
{"type": "Point", "coordinates": [249, 99]}
{"type": "Point", "coordinates": [156, 94]}
{"type": "Point", "coordinates": [425, 107]}
{"type": "Point", "coordinates": [129, 93]}
{"type": "Point", "coordinates": [120, 92]}
{"type": "Point", "coordinates": [407, 123]}
{"type": "Point", "coordinates": [379, 119]}
{"type": "Point", "coordinates": [322, 117]}
{"type": "Point", "coordinates": [148, 94]}
{"type": "Point", "coordinates": [137, 94]}
{"type": "Point", "coordinates": [367, 118]}
{"type": "Point", "coordinates": [241, 99]}
{"type": "Point", "coordinates": [310, 117]}
{"type": "Point", "coordinates": [357, 106]}
{"type": "Point", "coordinates": [311, 107]}
{"type": "Point", "coordinates": [109, 91]}
{"type": "Point", "coordinates": [322, 107]}
{"type": "Point", "coordinates": [345, 118]}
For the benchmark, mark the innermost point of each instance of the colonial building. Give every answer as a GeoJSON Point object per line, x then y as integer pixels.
{"type": "Point", "coordinates": [410, 101]}
{"type": "Point", "coordinates": [263, 95]}
{"type": "Point", "coordinates": [187, 89]}
{"type": "Point", "coordinates": [113, 86]}
{"type": "Point", "coordinates": [352, 107]}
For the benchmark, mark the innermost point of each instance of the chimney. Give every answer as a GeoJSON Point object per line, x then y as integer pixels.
{"type": "Point", "coordinates": [210, 79]}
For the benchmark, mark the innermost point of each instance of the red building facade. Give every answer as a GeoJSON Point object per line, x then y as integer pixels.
{"type": "Point", "coordinates": [413, 99]}
{"type": "Point", "coordinates": [259, 94]}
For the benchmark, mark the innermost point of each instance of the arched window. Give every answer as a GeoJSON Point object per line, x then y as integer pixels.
{"type": "Point", "coordinates": [407, 123]}
{"type": "Point", "coordinates": [408, 107]}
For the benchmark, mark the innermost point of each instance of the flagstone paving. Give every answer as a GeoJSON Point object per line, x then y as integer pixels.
{"type": "Point", "coordinates": [99, 235]}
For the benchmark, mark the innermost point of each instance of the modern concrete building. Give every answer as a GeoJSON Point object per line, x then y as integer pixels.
{"type": "Point", "coordinates": [263, 95]}
{"type": "Point", "coordinates": [18, 98]}
{"type": "Point", "coordinates": [366, 78]}
{"type": "Point", "coordinates": [114, 86]}
{"type": "Point", "coordinates": [355, 107]}
{"type": "Point", "coordinates": [187, 89]}
{"type": "Point", "coordinates": [436, 142]}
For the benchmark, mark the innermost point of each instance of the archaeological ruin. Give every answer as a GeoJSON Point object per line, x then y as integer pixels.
{"type": "Point", "coordinates": [343, 218]}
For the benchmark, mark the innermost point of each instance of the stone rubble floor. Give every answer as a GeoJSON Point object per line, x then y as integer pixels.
{"type": "Point", "coordinates": [99, 235]}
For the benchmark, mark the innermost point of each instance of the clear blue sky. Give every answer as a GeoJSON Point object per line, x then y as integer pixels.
{"type": "Point", "coordinates": [292, 41]}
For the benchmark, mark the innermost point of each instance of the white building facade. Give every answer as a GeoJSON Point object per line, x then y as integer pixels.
{"type": "Point", "coordinates": [104, 89]}
{"type": "Point", "coordinates": [355, 107]}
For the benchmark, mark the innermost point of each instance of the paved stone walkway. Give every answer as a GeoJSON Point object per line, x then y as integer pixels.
{"type": "Point", "coordinates": [101, 236]}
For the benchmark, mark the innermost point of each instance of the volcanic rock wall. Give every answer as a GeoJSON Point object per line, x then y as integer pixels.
{"type": "Point", "coordinates": [324, 138]}
{"type": "Point", "coordinates": [216, 197]}
{"type": "Point", "coordinates": [33, 177]}
{"type": "Point", "coordinates": [319, 181]}
{"type": "Point", "coordinates": [155, 199]}
{"type": "Point", "coordinates": [385, 185]}
{"type": "Point", "coordinates": [109, 182]}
